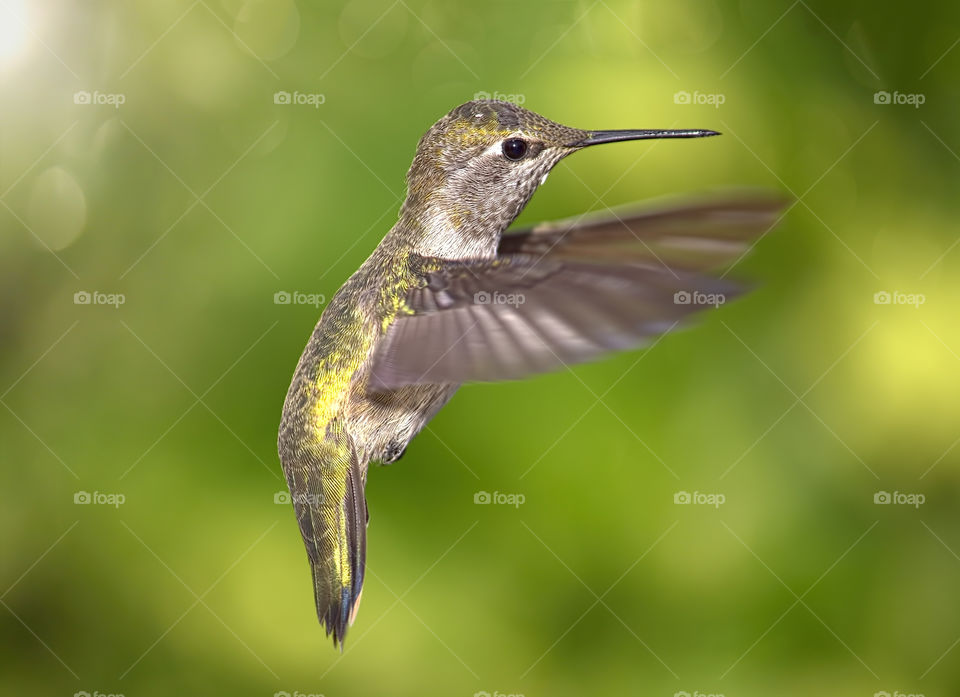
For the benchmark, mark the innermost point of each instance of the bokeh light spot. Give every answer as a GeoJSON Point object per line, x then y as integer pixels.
{"type": "Point", "coordinates": [269, 28]}
{"type": "Point", "coordinates": [57, 211]}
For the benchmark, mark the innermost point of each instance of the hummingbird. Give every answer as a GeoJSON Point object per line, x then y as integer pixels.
{"type": "Point", "coordinates": [451, 296]}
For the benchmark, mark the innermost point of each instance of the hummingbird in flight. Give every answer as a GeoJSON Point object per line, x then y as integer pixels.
{"type": "Point", "coordinates": [451, 296]}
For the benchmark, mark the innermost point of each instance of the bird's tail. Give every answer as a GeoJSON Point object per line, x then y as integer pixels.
{"type": "Point", "coordinates": [326, 485]}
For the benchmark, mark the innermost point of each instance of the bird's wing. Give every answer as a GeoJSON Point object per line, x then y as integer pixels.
{"type": "Point", "coordinates": [567, 292]}
{"type": "Point", "coordinates": [691, 236]}
{"type": "Point", "coordinates": [326, 482]}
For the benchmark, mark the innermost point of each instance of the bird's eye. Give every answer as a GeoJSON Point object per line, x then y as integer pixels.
{"type": "Point", "coordinates": [514, 148]}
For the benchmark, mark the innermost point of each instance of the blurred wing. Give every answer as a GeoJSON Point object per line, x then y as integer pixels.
{"type": "Point", "coordinates": [707, 234]}
{"type": "Point", "coordinates": [565, 293]}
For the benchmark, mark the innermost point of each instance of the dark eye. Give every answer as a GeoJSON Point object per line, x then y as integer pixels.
{"type": "Point", "coordinates": [514, 148]}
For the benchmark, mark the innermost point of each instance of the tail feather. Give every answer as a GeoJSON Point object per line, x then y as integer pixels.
{"type": "Point", "coordinates": [355, 506]}
{"type": "Point", "coordinates": [326, 485]}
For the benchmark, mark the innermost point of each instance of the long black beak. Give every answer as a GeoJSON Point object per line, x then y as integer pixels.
{"type": "Point", "coordinates": [598, 137]}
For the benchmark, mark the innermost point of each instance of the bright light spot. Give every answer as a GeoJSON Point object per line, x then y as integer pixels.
{"type": "Point", "coordinates": [13, 28]}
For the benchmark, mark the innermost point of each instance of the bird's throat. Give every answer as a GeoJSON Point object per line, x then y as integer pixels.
{"type": "Point", "coordinates": [450, 230]}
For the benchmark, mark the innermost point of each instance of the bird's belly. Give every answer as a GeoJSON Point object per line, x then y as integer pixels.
{"type": "Point", "coordinates": [385, 422]}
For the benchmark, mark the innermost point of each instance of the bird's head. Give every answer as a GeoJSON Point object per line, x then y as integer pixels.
{"type": "Point", "coordinates": [478, 166]}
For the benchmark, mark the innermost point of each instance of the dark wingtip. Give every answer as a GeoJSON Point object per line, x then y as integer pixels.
{"type": "Point", "coordinates": [336, 620]}
{"type": "Point", "coordinates": [337, 617]}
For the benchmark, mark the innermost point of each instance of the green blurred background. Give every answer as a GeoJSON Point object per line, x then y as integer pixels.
{"type": "Point", "coordinates": [198, 198]}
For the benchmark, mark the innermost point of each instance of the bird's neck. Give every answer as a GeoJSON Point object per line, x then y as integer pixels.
{"type": "Point", "coordinates": [451, 227]}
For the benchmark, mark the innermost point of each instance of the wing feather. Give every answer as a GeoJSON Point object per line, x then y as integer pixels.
{"type": "Point", "coordinates": [567, 292]}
